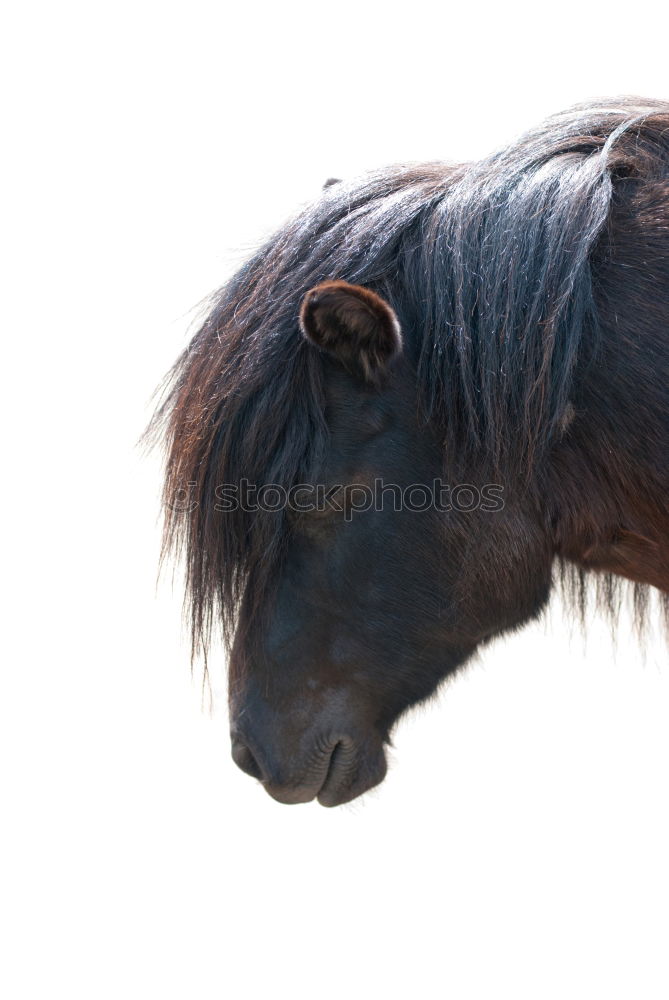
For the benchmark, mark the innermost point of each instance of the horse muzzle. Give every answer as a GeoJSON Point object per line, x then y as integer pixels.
{"type": "Point", "coordinates": [333, 767]}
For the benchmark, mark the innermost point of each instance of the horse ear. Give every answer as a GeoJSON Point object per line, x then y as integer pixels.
{"type": "Point", "coordinates": [354, 325]}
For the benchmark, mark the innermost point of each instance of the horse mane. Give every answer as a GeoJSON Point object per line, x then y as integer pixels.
{"type": "Point", "coordinates": [488, 267]}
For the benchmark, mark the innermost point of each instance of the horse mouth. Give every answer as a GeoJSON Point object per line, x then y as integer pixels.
{"type": "Point", "coordinates": [351, 774]}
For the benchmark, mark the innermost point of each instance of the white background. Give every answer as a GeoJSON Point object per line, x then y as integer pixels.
{"type": "Point", "coordinates": [519, 844]}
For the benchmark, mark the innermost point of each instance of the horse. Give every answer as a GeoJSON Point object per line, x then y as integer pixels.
{"type": "Point", "coordinates": [435, 394]}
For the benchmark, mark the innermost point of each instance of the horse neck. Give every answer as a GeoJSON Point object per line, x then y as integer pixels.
{"type": "Point", "coordinates": [608, 482]}
{"type": "Point", "coordinates": [609, 479]}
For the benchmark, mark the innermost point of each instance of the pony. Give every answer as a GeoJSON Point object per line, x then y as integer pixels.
{"type": "Point", "coordinates": [436, 393]}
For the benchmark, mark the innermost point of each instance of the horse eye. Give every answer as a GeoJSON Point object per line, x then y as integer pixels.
{"type": "Point", "coordinates": [313, 524]}
{"type": "Point", "coordinates": [330, 505]}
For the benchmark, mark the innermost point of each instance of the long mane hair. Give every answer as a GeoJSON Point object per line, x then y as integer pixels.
{"type": "Point", "coordinates": [488, 268]}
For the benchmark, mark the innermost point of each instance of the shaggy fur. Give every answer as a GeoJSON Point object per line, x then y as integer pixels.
{"type": "Point", "coordinates": [522, 284]}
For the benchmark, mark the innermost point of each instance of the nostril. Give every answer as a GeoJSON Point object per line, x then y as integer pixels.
{"type": "Point", "coordinates": [244, 759]}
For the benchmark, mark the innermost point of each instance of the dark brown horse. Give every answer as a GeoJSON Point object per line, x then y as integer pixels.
{"type": "Point", "coordinates": [435, 392]}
